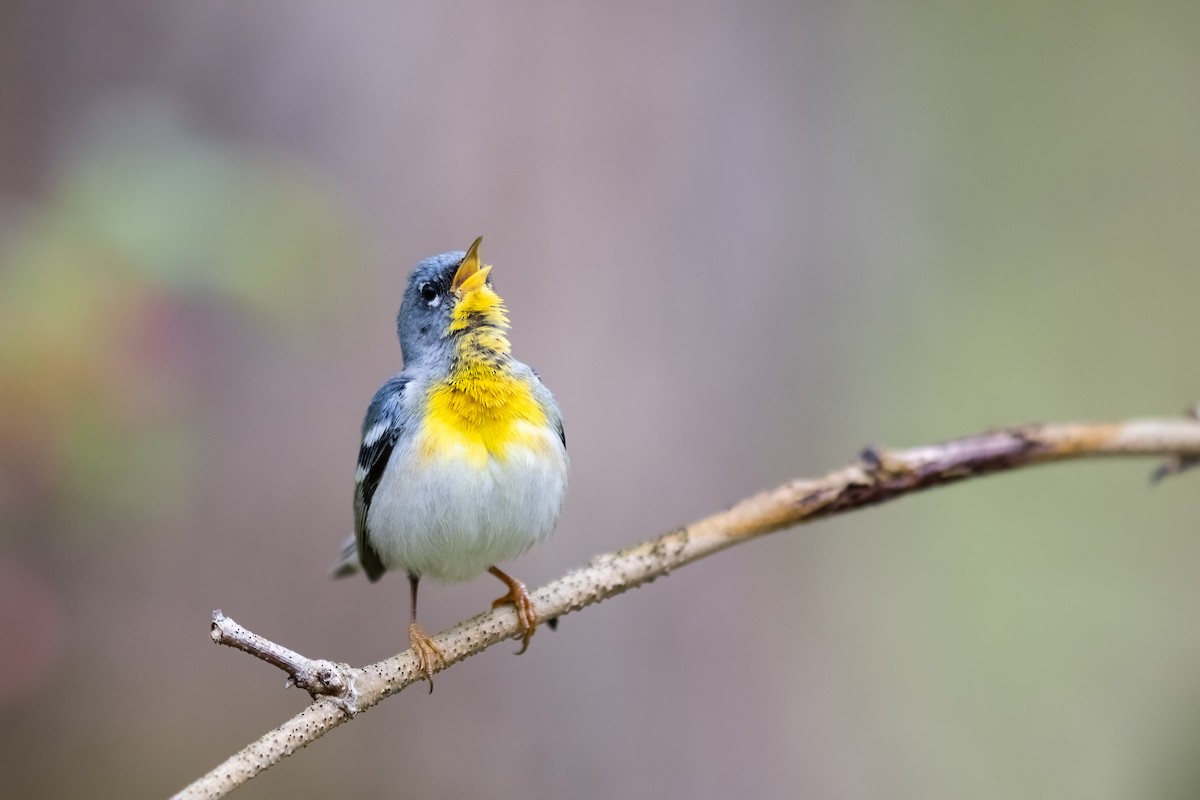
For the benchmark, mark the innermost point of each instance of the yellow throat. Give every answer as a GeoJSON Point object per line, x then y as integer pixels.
{"type": "Point", "coordinates": [482, 408]}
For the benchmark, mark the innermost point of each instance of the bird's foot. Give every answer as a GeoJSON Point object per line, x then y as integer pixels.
{"type": "Point", "coordinates": [429, 655]}
{"type": "Point", "coordinates": [518, 595]}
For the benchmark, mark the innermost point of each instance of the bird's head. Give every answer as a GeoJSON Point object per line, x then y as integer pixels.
{"type": "Point", "coordinates": [448, 296]}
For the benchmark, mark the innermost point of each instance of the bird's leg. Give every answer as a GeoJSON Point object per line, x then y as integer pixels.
{"type": "Point", "coordinates": [518, 595]}
{"type": "Point", "coordinates": [429, 655]}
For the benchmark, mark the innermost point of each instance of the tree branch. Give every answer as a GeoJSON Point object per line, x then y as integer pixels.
{"type": "Point", "coordinates": [340, 691]}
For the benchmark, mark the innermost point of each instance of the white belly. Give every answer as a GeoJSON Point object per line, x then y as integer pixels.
{"type": "Point", "coordinates": [446, 519]}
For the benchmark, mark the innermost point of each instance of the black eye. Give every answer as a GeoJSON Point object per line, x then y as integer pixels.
{"type": "Point", "coordinates": [428, 292]}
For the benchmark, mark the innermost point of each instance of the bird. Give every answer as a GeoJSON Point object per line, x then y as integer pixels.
{"type": "Point", "coordinates": [463, 462]}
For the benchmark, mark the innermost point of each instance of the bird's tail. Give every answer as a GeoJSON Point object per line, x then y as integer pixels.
{"type": "Point", "coordinates": [347, 563]}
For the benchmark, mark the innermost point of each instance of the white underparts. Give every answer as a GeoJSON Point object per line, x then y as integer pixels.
{"type": "Point", "coordinates": [449, 518]}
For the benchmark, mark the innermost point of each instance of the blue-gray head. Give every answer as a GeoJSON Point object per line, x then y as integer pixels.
{"type": "Point", "coordinates": [447, 296]}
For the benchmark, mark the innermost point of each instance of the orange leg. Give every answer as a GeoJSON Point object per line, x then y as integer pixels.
{"type": "Point", "coordinates": [429, 655]}
{"type": "Point", "coordinates": [518, 595]}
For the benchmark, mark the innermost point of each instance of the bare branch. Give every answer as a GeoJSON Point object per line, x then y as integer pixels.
{"type": "Point", "coordinates": [340, 691]}
{"type": "Point", "coordinates": [1177, 463]}
{"type": "Point", "coordinates": [316, 676]}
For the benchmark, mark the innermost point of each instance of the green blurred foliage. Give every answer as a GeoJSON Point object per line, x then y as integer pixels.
{"type": "Point", "coordinates": [1058, 185]}
{"type": "Point", "coordinates": [142, 223]}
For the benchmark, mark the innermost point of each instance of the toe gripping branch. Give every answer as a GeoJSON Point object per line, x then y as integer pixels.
{"type": "Point", "coordinates": [518, 596]}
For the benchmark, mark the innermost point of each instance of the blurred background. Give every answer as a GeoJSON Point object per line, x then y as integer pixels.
{"type": "Point", "coordinates": [740, 241]}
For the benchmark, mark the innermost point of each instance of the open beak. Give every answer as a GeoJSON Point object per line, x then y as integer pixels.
{"type": "Point", "coordinates": [471, 273]}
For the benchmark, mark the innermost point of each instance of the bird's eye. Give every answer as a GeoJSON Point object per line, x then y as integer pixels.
{"type": "Point", "coordinates": [429, 292]}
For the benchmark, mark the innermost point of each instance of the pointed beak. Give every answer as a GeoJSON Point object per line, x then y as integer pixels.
{"type": "Point", "coordinates": [471, 273]}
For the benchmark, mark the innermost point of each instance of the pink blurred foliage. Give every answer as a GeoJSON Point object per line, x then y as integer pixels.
{"type": "Point", "coordinates": [143, 224]}
{"type": "Point", "coordinates": [70, 360]}
{"type": "Point", "coordinates": [32, 628]}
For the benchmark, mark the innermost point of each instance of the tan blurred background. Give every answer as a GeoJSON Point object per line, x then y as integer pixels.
{"type": "Point", "coordinates": [740, 241]}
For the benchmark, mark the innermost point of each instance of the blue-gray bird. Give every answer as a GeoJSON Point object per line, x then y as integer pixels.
{"type": "Point", "coordinates": [463, 463]}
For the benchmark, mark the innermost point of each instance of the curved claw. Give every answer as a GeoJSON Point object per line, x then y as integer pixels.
{"type": "Point", "coordinates": [429, 655]}
{"type": "Point", "coordinates": [518, 595]}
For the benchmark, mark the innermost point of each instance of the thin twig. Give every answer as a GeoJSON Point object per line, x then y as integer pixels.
{"type": "Point", "coordinates": [340, 691]}
{"type": "Point", "coordinates": [316, 676]}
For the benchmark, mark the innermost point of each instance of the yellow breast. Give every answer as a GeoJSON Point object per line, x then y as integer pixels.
{"type": "Point", "coordinates": [481, 412]}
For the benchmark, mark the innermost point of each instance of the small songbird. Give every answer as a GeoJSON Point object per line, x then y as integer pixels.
{"type": "Point", "coordinates": [463, 463]}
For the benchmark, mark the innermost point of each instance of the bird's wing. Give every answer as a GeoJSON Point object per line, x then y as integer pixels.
{"type": "Point", "coordinates": [549, 404]}
{"type": "Point", "coordinates": [562, 432]}
{"type": "Point", "coordinates": [381, 429]}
